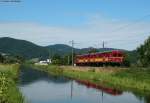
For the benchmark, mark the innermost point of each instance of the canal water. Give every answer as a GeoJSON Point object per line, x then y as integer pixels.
{"type": "Point", "coordinates": [40, 87]}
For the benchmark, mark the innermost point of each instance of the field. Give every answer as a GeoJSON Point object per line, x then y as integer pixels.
{"type": "Point", "coordinates": [129, 79]}
{"type": "Point", "coordinates": [9, 93]}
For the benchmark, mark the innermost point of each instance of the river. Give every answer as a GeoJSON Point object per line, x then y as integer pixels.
{"type": "Point", "coordinates": [40, 87]}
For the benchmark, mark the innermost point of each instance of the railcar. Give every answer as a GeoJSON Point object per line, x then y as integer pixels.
{"type": "Point", "coordinates": [114, 57]}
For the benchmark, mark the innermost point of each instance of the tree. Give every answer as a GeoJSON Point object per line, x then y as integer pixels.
{"type": "Point", "coordinates": [127, 60]}
{"type": "Point", "coordinates": [20, 59]}
{"type": "Point", "coordinates": [1, 59]}
{"type": "Point", "coordinates": [144, 54]}
{"type": "Point", "coordinates": [67, 59]}
{"type": "Point", "coordinates": [93, 50]}
{"type": "Point", "coordinates": [57, 59]}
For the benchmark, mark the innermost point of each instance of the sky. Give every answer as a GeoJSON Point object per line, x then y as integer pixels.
{"type": "Point", "coordinates": [122, 24]}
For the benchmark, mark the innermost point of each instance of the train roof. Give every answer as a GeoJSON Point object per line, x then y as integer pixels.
{"type": "Point", "coordinates": [108, 51]}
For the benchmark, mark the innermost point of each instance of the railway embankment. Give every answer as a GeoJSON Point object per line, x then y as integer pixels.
{"type": "Point", "coordinates": [9, 93]}
{"type": "Point", "coordinates": [135, 79]}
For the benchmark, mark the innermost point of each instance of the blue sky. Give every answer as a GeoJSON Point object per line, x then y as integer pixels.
{"type": "Point", "coordinates": [88, 22]}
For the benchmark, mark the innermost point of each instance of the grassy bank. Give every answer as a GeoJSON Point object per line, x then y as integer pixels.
{"type": "Point", "coordinates": [9, 93]}
{"type": "Point", "coordinates": [135, 79]}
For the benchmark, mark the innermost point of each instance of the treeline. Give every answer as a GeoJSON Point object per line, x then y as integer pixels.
{"type": "Point", "coordinates": [67, 58]}
{"type": "Point", "coordinates": [62, 60]}
{"type": "Point", "coordinates": [144, 54]}
{"type": "Point", "coordinates": [9, 59]}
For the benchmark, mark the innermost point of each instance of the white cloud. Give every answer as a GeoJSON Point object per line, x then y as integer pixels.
{"type": "Point", "coordinates": [93, 32]}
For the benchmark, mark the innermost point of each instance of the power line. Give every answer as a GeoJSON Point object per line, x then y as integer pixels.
{"type": "Point", "coordinates": [129, 24]}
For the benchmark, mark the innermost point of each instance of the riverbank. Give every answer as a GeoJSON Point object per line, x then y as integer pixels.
{"type": "Point", "coordinates": [9, 93]}
{"type": "Point", "coordinates": [135, 79]}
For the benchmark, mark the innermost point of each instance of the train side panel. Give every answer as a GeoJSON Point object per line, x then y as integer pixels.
{"type": "Point", "coordinates": [95, 58]}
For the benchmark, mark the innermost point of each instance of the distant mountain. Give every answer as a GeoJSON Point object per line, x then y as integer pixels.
{"type": "Point", "coordinates": [63, 49]}
{"type": "Point", "coordinates": [60, 49]}
{"type": "Point", "coordinates": [22, 47]}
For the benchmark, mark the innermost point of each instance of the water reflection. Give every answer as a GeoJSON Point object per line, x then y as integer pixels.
{"type": "Point", "coordinates": [39, 87]}
{"type": "Point", "coordinates": [29, 75]}
{"type": "Point", "coordinates": [111, 91]}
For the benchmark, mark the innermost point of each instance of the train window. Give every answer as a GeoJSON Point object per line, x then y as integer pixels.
{"type": "Point", "coordinates": [87, 56]}
{"type": "Point", "coordinates": [91, 56]}
{"type": "Point", "coordinates": [103, 55]}
{"type": "Point", "coordinates": [94, 56]}
{"type": "Point", "coordinates": [114, 55]}
{"type": "Point", "coordinates": [99, 55]}
{"type": "Point", "coordinates": [110, 55]}
{"type": "Point", "coordinates": [119, 55]}
{"type": "Point", "coordinates": [107, 55]}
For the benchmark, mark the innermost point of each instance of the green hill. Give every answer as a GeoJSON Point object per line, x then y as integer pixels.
{"type": "Point", "coordinates": [22, 47]}
{"type": "Point", "coordinates": [61, 49]}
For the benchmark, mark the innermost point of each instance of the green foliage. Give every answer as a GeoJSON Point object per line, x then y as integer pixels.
{"type": "Point", "coordinates": [144, 54]}
{"type": "Point", "coordinates": [20, 59]}
{"type": "Point", "coordinates": [9, 93]}
{"type": "Point", "coordinates": [93, 50]}
{"type": "Point", "coordinates": [62, 60]}
{"type": "Point", "coordinates": [132, 56]}
{"type": "Point", "coordinates": [52, 69]}
{"type": "Point", "coordinates": [67, 59]}
{"type": "Point", "coordinates": [57, 59]}
{"type": "Point", "coordinates": [127, 60]}
{"type": "Point", "coordinates": [9, 59]}
{"type": "Point", "coordinates": [1, 59]}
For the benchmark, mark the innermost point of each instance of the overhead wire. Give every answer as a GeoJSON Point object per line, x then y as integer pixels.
{"type": "Point", "coordinates": [130, 24]}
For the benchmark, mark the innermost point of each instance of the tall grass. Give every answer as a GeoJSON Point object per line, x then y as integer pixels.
{"type": "Point", "coordinates": [129, 79]}
{"type": "Point", "coordinates": [51, 69]}
{"type": "Point", "coordinates": [9, 93]}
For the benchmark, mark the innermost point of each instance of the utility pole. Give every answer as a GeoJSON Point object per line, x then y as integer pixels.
{"type": "Point", "coordinates": [68, 59]}
{"type": "Point", "coordinates": [103, 45]}
{"type": "Point", "coordinates": [72, 44]}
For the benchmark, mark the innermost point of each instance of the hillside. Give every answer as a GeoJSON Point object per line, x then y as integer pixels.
{"type": "Point", "coordinates": [21, 47]}
{"type": "Point", "coordinates": [63, 49]}
{"type": "Point", "coordinates": [60, 49]}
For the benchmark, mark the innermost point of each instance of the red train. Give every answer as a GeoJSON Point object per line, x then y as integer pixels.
{"type": "Point", "coordinates": [115, 57]}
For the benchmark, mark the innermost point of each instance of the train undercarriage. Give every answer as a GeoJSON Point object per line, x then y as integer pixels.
{"type": "Point", "coordinates": [100, 64]}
